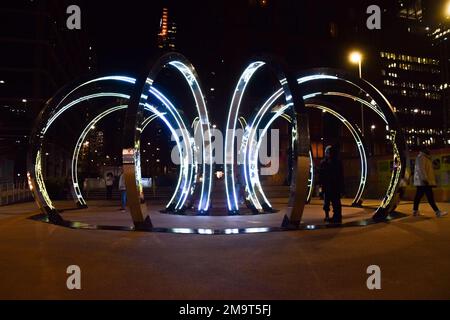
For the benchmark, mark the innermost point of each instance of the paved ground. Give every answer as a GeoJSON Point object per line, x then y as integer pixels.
{"type": "Point", "coordinates": [413, 254]}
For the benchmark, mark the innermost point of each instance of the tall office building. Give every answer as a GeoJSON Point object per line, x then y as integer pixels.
{"type": "Point", "coordinates": [167, 31]}
{"type": "Point", "coordinates": [439, 34]}
{"type": "Point", "coordinates": [410, 73]}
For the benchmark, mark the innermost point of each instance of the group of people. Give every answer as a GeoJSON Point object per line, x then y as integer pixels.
{"type": "Point", "coordinates": [331, 180]}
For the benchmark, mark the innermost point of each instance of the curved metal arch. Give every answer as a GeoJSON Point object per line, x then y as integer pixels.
{"type": "Point", "coordinates": [133, 129]}
{"type": "Point", "coordinates": [299, 142]}
{"type": "Point", "coordinates": [253, 150]}
{"type": "Point", "coordinates": [389, 118]}
{"type": "Point", "coordinates": [385, 111]}
{"type": "Point", "coordinates": [242, 122]}
{"type": "Point", "coordinates": [74, 186]}
{"type": "Point", "coordinates": [51, 111]}
{"type": "Point", "coordinates": [185, 179]}
{"type": "Point", "coordinates": [55, 108]}
{"type": "Point", "coordinates": [359, 144]}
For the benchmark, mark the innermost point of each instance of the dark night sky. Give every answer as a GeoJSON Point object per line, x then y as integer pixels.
{"type": "Point", "coordinates": [297, 31]}
{"type": "Point", "coordinates": [125, 31]}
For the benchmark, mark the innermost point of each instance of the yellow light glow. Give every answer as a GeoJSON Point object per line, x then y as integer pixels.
{"type": "Point", "coordinates": [447, 9]}
{"type": "Point", "coordinates": [355, 57]}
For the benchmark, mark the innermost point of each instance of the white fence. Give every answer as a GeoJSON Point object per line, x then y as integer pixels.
{"type": "Point", "coordinates": [14, 192]}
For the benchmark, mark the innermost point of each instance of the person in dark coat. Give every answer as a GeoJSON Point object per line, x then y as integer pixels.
{"type": "Point", "coordinates": [332, 182]}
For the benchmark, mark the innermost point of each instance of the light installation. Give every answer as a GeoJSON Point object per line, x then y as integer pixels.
{"type": "Point", "coordinates": [371, 98]}
{"type": "Point", "coordinates": [140, 96]}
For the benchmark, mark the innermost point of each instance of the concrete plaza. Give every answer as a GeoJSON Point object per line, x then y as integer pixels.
{"type": "Point", "coordinates": [413, 254]}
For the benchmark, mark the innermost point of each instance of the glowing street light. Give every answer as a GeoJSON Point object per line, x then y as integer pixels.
{"type": "Point", "coordinates": [356, 57]}
{"type": "Point", "coordinates": [447, 10]}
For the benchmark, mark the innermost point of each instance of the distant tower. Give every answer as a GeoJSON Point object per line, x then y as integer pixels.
{"type": "Point", "coordinates": [167, 31]}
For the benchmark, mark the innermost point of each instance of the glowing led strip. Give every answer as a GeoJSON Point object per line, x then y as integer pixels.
{"type": "Point", "coordinates": [54, 116]}
{"type": "Point", "coordinates": [185, 158]}
{"type": "Point", "coordinates": [242, 122]}
{"type": "Point", "coordinates": [177, 140]}
{"type": "Point", "coordinates": [253, 154]}
{"type": "Point", "coordinates": [395, 176]}
{"type": "Point", "coordinates": [84, 98]}
{"type": "Point", "coordinates": [78, 146]}
{"type": "Point", "coordinates": [256, 184]}
{"type": "Point", "coordinates": [250, 137]}
{"type": "Point", "coordinates": [232, 201]}
{"type": "Point", "coordinates": [359, 145]}
{"type": "Point", "coordinates": [374, 106]}
{"type": "Point", "coordinates": [311, 177]}
{"type": "Point", "coordinates": [187, 72]}
{"type": "Point", "coordinates": [74, 167]}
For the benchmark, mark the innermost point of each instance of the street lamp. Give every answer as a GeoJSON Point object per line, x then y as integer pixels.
{"type": "Point", "coordinates": [356, 57]}
{"type": "Point", "coordinates": [447, 10]}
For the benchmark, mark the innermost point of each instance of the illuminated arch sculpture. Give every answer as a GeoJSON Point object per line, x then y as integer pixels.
{"type": "Point", "coordinates": [133, 129]}
{"type": "Point", "coordinates": [299, 141]}
{"type": "Point", "coordinates": [74, 186]}
{"type": "Point", "coordinates": [138, 95]}
{"type": "Point", "coordinates": [70, 97]}
{"type": "Point", "coordinates": [253, 149]}
{"type": "Point", "coordinates": [116, 87]}
{"type": "Point", "coordinates": [372, 99]}
{"type": "Point", "coordinates": [375, 101]}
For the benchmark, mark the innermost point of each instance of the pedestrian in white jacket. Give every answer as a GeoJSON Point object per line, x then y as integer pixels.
{"type": "Point", "coordinates": [425, 180]}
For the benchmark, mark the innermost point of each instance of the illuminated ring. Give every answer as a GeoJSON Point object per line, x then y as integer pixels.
{"type": "Point", "coordinates": [52, 110]}
{"type": "Point", "coordinates": [74, 186]}
{"type": "Point", "coordinates": [376, 101]}
{"type": "Point", "coordinates": [355, 133]}
{"type": "Point", "coordinates": [359, 145]}
{"type": "Point", "coordinates": [299, 142]}
{"type": "Point", "coordinates": [133, 130]}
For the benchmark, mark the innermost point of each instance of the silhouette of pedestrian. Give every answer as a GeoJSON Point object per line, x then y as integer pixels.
{"type": "Point", "coordinates": [332, 182]}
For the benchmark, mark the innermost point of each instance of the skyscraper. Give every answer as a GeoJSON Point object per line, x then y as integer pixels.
{"type": "Point", "coordinates": [167, 31]}
{"type": "Point", "coordinates": [410, 71]}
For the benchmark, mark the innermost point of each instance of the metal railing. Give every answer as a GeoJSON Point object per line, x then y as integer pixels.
{"type": "Point", "coordinates": [14, 192]}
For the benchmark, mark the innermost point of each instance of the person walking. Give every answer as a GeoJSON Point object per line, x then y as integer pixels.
{"type": "Point", "coordinates": [425, 180]}
{"type": "Point", "coordinates": [332, 183]}
{"type": "Point", "coordinates": [123, 191]}
{"type": "Point", "coordinates": [109, 182]}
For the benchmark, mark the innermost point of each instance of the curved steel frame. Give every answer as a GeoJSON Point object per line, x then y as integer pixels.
{"type": "Point", "coordinates": [74, 186]}
{"type": "Point", "coordinates": [58, 105]}
{"type": "Point", "coordinates": [356, 136]}
{"type": "Point", "coordinates": [54, 108]}
{"type": "Point", "coordinates": [133, 129]}
{"type": "Point", "coordinates": [299, 144]}
{"type": "Point", "coordinates": [379, 104]}
{"type": "Point", "coordinates": [293, 108]}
